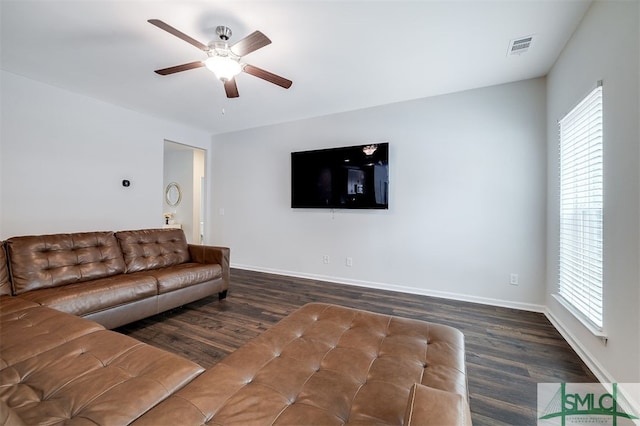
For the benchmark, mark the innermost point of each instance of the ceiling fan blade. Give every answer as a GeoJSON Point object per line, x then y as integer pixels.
{"type": "Point", "coordinates": [179, 68]}
{"type": "Point", "coordinates": [268, 76]}
{"type": "Point", "coordinates": [250, 43]}
{"type": "Point", "coordinates": [231, 88]}
{"type": "Point", "coordinates": [168, 28]}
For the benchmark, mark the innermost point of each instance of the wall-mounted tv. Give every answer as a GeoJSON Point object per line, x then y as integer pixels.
{"type": "Point", "coordinates": [354, 177]}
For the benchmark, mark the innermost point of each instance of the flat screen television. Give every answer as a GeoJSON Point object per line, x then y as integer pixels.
{"type": "Point", "coordinates": [354, 177]}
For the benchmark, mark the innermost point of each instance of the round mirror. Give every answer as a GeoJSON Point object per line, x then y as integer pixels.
{"type": "Point", "coordinates": [173, 194]}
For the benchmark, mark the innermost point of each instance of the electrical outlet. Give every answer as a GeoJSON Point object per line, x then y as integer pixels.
{"type": "Point", "coordinates": [325, 259]}
{"type": "Point", "coordinates": [514, 279]}
{"type": "Point", "coordinates": [349, 261]}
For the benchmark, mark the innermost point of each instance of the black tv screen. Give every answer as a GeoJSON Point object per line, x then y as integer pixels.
{"type": "Point", "coordinates": [354, 177]}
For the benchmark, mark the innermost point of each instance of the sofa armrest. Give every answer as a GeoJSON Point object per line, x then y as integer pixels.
{"type": "Point", "coordinates": [212, 254]}
{"type": "Point", "coordinates": [430, 406]}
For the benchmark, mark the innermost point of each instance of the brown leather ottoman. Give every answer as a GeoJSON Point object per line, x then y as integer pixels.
{"type": "Point", "coordinates": [331, 365]}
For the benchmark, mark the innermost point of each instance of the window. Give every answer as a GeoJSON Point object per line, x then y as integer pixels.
{"type": "Point", "coordinates": [581, 206]}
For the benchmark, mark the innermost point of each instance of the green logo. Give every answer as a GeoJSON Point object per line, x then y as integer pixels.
{"type": "Point", "coordinates": [583, 403]}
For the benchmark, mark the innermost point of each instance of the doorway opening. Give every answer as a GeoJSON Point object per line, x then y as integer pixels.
{"type": "Point", "coordinates": [184, 191]}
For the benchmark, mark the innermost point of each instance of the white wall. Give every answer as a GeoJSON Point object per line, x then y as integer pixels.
{"type": "Point", "coordinates": [467, 198]}
{"type": "Point", "coordinates": [605, 47]}
{"type": "Point", "coordinates": [65, 155]}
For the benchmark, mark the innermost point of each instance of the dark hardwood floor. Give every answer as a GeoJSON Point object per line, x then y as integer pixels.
{"type": "Point", "coordinates": [507, 351]}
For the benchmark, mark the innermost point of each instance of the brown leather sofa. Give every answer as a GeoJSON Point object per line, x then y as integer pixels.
{"type": "Point", "coordinates": [114, 278]}
{"type": "Point", "coordinates": [56, 368]}
{"type": "Point", "coordinates": [323, 364]}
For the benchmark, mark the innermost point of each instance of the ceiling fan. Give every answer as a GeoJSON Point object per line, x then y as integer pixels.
{"type": "Point", "coordinates": [222, 59]}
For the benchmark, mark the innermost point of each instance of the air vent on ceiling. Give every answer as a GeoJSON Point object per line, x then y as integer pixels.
{"type": "Point", "coordinates": [519, 45]}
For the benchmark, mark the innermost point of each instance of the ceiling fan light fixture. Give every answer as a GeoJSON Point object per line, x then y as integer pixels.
{"type": "Point", "coordinates": [224, 67]}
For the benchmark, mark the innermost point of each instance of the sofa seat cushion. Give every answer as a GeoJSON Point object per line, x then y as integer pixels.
{"type": "Point", "coordinates": [323, 364]}
{"type": "Point", "coordinates": [85, 298]}
{"type": "Point", "coordinates": [10, 305]}
{"type": "Point", "coordinates": [28, 329]}
{"type": "Point", "coordinates": [185, 275]}
{"type": "Point", "coordinates": [98, 378]}
{"type": "Point", "coordinates": [8, 416]}
{"type": "Point", "coordinates": [46, 261]}
{"type": "Point", "coordinates": [147, 249]}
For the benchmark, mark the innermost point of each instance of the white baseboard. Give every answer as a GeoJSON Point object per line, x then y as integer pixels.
{"type": "Point", "coordinates": [402, 289]}
{"type": "Point", "coordinates": [600, 372]}
{"type": "Point", "coordinates": [631, 404]}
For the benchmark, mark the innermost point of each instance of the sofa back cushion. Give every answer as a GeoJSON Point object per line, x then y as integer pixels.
{"type": "Point", "coordinates": [153, 248]}
{"type": "Point", "coordinates": [45, 261]}
{"type": "Point", "coordinates": [5, 284]}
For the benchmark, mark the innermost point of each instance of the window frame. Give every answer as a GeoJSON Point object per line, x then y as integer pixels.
{"type": "Point", "coordinates": [581, 211]}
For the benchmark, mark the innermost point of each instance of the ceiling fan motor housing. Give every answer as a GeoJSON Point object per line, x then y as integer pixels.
{"type": "Point", "coordinates": [223, 32]}
{"type": "Point", "coordinates": [221, 47]}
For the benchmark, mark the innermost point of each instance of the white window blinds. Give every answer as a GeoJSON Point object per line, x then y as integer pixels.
{"type": "Point", "coordinates": [581, 206]}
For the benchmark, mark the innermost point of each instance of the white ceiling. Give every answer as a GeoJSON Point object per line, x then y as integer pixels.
{"type": "Point", "coordinates": [341, 55]}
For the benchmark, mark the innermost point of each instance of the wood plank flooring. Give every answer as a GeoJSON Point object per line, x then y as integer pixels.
{"type": "Point", "coordinates": [507, 351]}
